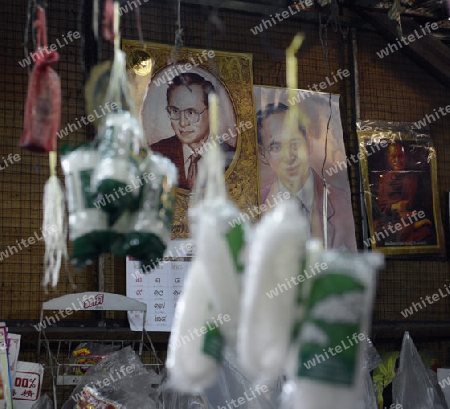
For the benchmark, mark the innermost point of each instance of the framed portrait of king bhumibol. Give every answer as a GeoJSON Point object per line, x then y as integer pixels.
{"type": "Point", "coordinates": [171, 100]}
{"type": "Point", "coordinates": [399, 170]}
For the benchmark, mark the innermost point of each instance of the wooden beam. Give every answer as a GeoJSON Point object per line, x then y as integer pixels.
{"type": "Point", "coordinates": [426, 50]}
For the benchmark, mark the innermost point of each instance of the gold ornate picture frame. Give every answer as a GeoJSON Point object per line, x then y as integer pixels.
{"type": "Point", "coordinates": [399, 172]}
{"type": "Point", "coordinates": [231, 74]}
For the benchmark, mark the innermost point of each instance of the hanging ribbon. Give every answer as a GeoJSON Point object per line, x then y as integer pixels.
{"type": "Point", "coordinates": [325, 213]}
{"type": "Point", "coordinates": [119, 87]}
{"type": "Point", "coordinates": [108, 21]}
{"type": "Point", "coordinates": [54, 227]}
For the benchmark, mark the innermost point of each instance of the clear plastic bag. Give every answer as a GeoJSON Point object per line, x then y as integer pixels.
{"type": "Point", "coordinates": [120, 379]}
{"type": "Point", "coordinates": [412, 387]}
{"type": "Point", "coordinates": [117, 170]}
{"type": "Point", "coordinates": [88, 224]}
{"type": "Point", "coordinates": [44, 402]}
{"type": "Point", "coordinates": [234, 385]}
{"type": "Point", "coordinates": [88, 354]}
{"type": "Point", "coordinates": [150, 225]}
{"type": "Point", "coordinates": [171, 399]}
{"type": "Point", "coordinates": [371, 360]}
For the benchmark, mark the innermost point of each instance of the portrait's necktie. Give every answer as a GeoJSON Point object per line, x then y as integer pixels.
{"type": "Point", "coordinates": [192, 170]}
{"type": "Point", "coordinates": [302, 207]}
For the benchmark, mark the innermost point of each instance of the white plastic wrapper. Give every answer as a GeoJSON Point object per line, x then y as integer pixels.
{"type": "Point", "coordinates": [150, 226]}
{"type": "Point", "coordinates": [84, 217]}
{"type": "Point", "coordinates": [88, 224]}
{"type": "Point", "coordinates": [220, 248]}
{"type": "Point", "coordinates": [372, 359]}
{"type": "Point", "coordinates": [117, 172]}
{"type": "Point", "coordinates": [269, 307]}
{"type": "Point", "coordinates": [160, 178]}
{"type": "Point", "coordinates": [190, 368]}
{"type": "Point", "coordinates": [412, 387]}
{"type": "Point", "coordinates": [233, 388]}
{"type": "Point", "coordinates": [332, 336]}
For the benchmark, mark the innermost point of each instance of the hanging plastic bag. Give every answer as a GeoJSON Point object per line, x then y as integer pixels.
{"type": "Point", "coordinates": [220, 236]}
{"type": "Point", "coordinates": [43, 106]}
{"type": "Point", "coordinates": [44, 402]}
{"type": "Point", "coordinates": [150, 226]}
{"type": "Point", "coordinates": [116, 177]}
{"type": "Point", "coordinates": [338, 305]}
{"type": "Point", "coordinates": [371, 360]}
{"type": "Point", "coordinates": [170, 399]}
{"type": "Point", "coordinates": [412, 387]}
{"type": "Point", "coordinates": [88, 224]}
{"type": "Point", "coordinates": [193, 360]}
{"type": "Point", "coordinates": [233, 384]}
{"type": "Point", "coordinates": [193, 356]}
{"type": "Point", "coordinates": [269, 302]}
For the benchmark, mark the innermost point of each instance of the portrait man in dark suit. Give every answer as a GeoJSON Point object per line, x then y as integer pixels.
{"type": "Point", "coordinates": [187, 108]}
{"type": "Point", "coordinates": [288, 154]}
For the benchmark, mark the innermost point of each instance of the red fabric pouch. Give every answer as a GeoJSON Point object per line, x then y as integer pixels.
{"type": "Point", "coordinates": [43, 106]}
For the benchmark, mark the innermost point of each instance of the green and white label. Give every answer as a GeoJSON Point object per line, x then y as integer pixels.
{"type": "Point", "coordinates": [331, 334]}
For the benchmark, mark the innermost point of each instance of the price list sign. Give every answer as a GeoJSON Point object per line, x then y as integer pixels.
{"type": "Point", "coordinates": [160, 289]}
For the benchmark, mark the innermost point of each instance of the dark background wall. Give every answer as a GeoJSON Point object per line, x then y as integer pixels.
{"type": "Point", "coordinates": [393, 88]}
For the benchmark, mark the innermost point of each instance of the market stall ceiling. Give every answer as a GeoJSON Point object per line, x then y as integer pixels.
{"type": "Point", "coordinates": [432, 53]}
{"type": "Point", "coordinates": [420, 11]}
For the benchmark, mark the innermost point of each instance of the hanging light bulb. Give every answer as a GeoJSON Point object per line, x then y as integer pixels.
{"type": "Point", "coordinates": [140, 62]}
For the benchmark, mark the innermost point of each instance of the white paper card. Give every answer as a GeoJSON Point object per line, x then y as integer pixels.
{"type": "Point", "coordinates": [27, 384]}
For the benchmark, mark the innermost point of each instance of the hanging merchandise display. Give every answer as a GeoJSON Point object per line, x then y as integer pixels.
{"type": "Point", "coordinates": [274, 258]}
{"type": "Point", "coordinates": [41, 123]}
{"type": "Point", "coordinates": [415, 386]}
{"type": "Point", "coordinates": [220, 236]}
{"type": "Point", "coordinates": [210, 298]}
{"type": "Point", "coordinates": [150, 226]}
{"type": "Point", "coordinates": [330, 345]}
{"type": "Point", "coordinates": [371, 360]}
{"type": "Point", "coordinates": [117, 169]}
{"type": "Point", "coordinates": [121, 137]}
{"type": "Point", "coordinates": [120, 194]}
{"type": "Point", "coordinates": [88, 223]}
{"type": "Point", "coordinates": [192, 356]}
{"type": "Point", "coordinates": [54, 221]}
{"type": "Point", "coordinates": [135, 218]}
{"type": "Point", "coordinates": [43, 106]}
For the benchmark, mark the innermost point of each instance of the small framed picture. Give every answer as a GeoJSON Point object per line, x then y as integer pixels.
{"type": "Point", "coordinates": [399, 172]}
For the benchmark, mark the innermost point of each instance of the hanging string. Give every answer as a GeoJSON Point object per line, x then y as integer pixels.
{"type": "Point", "coordinates": [323, 35]}
{"type": "Point", "coordinates": [213, 21]}
{"type": "Point", "coordinates": [178, 43]}
{"type": "Point", "coordinates": [31, 11]}
{"type": "Point", "coordinates": [118, 88]}
{"type": "Point", "coordinates": [80, 27]}
{"type": "Point", "coordinates": [178, 36]}
{"type": "Point", "coordinates": [334, 21]}
{"type": "Point", "coordinates": [95, 19]}
{"type": "Point", "coordinates": [139, 27]}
